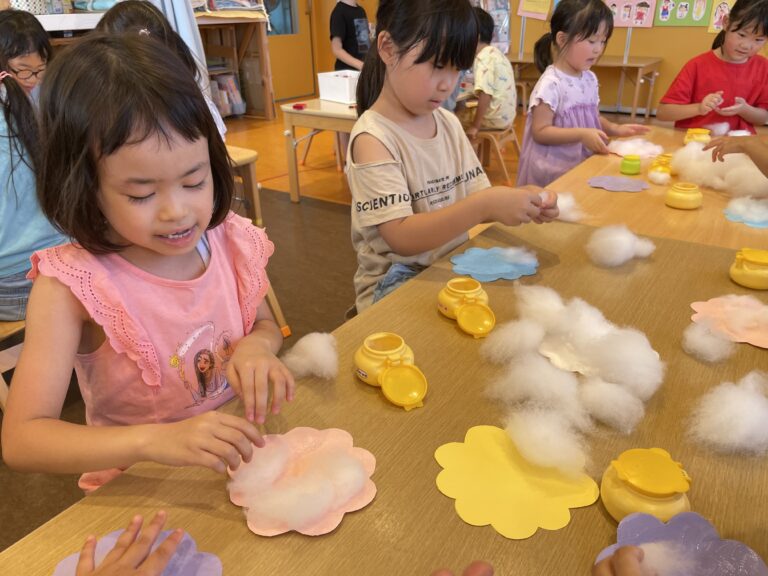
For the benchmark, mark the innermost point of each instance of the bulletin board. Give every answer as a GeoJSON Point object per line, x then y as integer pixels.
{"type": "Point", "coordinates": [683, 12]}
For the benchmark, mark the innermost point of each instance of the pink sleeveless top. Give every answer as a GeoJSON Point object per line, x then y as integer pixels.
{"type": "Point", "coordinates": [168, 341]}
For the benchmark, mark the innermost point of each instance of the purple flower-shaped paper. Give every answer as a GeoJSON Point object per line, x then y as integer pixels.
{"type": "Point", "coordinates": [487, 265]}
{"type": "Point", "coordinates": [692, 534]}
{"type": "Point", "coordinates": [617, 184]}
{"type": "Point", "coordinates": [187, 561]}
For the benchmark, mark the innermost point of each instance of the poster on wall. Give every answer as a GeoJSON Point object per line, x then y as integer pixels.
{"type": "Point", "coordinates": [682, 12]}
{"type": "Point", "coordinates": [499, 11]}
{"type": "Point", "coordinates": [632, 13]}
{"type": "Point", "coordinates": [720, 9]}
{"type": "Point", "coordinates": [536, 9]}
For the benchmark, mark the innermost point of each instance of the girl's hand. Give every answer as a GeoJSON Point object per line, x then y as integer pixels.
{"type": "Point", "coordinates": [631, 129]}
{"type": "Point", "coordinates": [710, 103]}
{"type": "Point", "coordinates": [252, 370]}
{"type": "Point", "coordinates": [737, 109]}
{"type": "Point", "coordinates": [725, 145]}
{"type": "Point", "coordinates": [214, 440]}
{"type": "Point", "coordinates": [513, 206]}
{"type": "Point", "coordinates": [595, 140]}
{"type": "Point", "coordinates": [131, 554]}
{"type": "Point", "coordinates": [549, 209]}
{"type": "Point", "coordinates": [624, 562]}
{"type": "Point", "coordinates": [472, 132]}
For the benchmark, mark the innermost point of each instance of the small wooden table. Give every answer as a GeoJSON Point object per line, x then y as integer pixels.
{"type": "Point", "coordinates": [316, 114]}
{"type": "Point", "coordinates": [410, 527]}
{"type": "Point", "coordinates": [645, 212]}
{"type": "Point", "coordinates": [638, 69]}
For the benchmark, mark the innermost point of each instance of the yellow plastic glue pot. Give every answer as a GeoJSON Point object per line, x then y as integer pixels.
{"type": "Point", "coordinates": [750, 268]}
{"type": "Point", "coordinates": [464, 300]}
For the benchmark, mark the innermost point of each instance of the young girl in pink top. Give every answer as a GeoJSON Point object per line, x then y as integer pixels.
{"type": "Point", "coordinates": [133, 170]}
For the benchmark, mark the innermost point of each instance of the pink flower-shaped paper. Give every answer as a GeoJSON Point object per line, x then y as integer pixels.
{"type": "Point", "coordinates": [738, 318]}
{"type": "Point", "coordinates": [304, 480]}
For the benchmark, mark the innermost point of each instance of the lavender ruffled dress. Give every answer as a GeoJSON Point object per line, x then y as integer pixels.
{"type": "Point", "coordinates": [574, 100]}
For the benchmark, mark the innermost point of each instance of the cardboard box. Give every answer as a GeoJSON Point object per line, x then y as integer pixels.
{"type": "Point", "coordinates": [338, 86]}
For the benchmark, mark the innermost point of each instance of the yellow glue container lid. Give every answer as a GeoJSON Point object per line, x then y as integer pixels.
{"type": "Point", "coordinates": [476, 319]}
{"type": "Point", "coordinates": [755, 256]}
{"type": "Point", "coordinates": [404, 385]}
{"type": "Point", "coordinates": [652, 471]}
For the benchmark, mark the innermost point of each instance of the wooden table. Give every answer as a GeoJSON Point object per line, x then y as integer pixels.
{"type": "Point", "coordinates": [638, 69]}
{"type": "Point", "coordinates": [410, 527]}
{"type": "Point", "coordinates": [645, 212]}
{"type": "Point", "coordinates": [317, 115]}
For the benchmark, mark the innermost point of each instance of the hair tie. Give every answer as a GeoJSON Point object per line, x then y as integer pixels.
{"type": "Point", "coordinates": [143, 32]}
{"type": "Point", "coordinates": [4, 75]}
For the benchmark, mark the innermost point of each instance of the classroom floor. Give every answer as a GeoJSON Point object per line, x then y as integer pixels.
{"type": "Point", "coordinates": [316, 231]}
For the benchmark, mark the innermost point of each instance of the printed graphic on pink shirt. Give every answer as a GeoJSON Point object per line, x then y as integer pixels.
{"type": "Point", "coordinates": [201, 362]}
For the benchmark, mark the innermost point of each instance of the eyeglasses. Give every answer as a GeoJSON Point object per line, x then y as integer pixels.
{"type": "Point", "coordinates": [26, 74]}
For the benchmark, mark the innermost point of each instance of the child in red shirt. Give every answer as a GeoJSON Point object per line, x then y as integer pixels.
{"type": "Point", "coordinates": [730, 82]}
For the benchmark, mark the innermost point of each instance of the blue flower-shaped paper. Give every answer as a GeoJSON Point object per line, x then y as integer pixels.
{"type": "Point", "coordinates": [694, 536]}
{"type": "Point", "coordinates": [187, 561]}
{"type": "Point", "coordinates": [487, 265]}
{"type": "Point", "coordinates": [754, 223]}
{"type": "Point", "coordinates": [617, 184]}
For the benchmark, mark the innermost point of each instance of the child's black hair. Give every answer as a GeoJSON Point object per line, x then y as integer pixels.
{"type": "Point", "coordinates": [20, 34]}
{"type": "Point", "coordinates": [485, 25]}
{"type": "Point", "coordinates": [751, 15]}
{"type": "Point", "coordinates": [103, 93]}
{"type": "Point", "coordinates": [447, 28]}
{"type": "Point", "coordinates": [577, 19]}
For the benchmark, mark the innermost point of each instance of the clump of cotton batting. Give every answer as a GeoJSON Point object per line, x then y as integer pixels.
{"type": "Point", "coordinates": [614, 245]}
{"type": "Point", "coordinates": [314, 354]}
{"type": "Point", "coordinates": [705, 343]}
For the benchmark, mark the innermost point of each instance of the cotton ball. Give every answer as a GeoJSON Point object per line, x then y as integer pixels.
{"type": "Point", "coordinates": [545, 438]}
{"type": "Point", "coordinates": [611, 404]}
{"type": "Point", "coordinates": [511, 339]}
{"type": "Point", "coordinates": [614, 245]}
{"type": "Point", "coordinates": [314, 354]}
{"type": "Point", "coordinates": [718, 128]}
{"type": "Point", "coordinates": [733, 418]}
{"type": "Point", "coordinates": [268, 464]}
{"type": "Point", "coordinates": [700, 341]}
{"type": "Point", "coordinates": [538, 303]}
{"type": "Point", "coordinates": [581, 322]}
{"type": "Point", "coordinates": [294, 503]}
{"type": "Point", "coordinates": [570, 211]}
{"type": "Point", "coordinates": [667, 559]}
{"type": "Point", "coordinates": [625, 357]}
{"type": "Point", "coordinates": [346, 473]}
{"type": "Point", "coordinates": [749, 209]}
{"type": "Point", "coordinates": [637, 146]}
{"type": "Point", "coordinates": [756, 381]}
{"type": "Point", "coordinates": [659, 177]}
{"type": "Point", "coordinates": [737, 174]}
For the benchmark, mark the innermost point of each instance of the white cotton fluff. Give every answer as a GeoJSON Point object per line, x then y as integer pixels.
{"type": "Point", "coordinates": [637, 146]}
{"type": "Point", "coordinates": [544, 438]}
{"type": "Point", "coordinates": [581, 323]}
{"type": "Point", "coordinates": [718, 128]}
{"type": "Point", "coordinates": [512, 339]}
{"type": "Point", "coordinates": [611, 404]}
{"type": "Point", "coordinates": [737, 174]}
{"type": "Point", "coordinates": [734, 417]}
{"type": "Point", "coordinates": [667, 559]}
{"type": "Point", "coordinates": [538, 303]}
{"type": "Point", "coordinates": [516, 255]}
{"type": "Point", "coordinates": [614, 245]}
{"type": "Point", "coordinates": [659, 178]}
{"type": "Point", "coordinates": [704, 343]}
{"type": "Point", "coordinates": [314, 354]}
{"type": "Point", "coordinates": [749, 209]}
{"type": "Point", "coordinates": [742, 313]}
{"type": "Point", "coordinates": [625, 357]}
{"type": "Point", "coordinates": [570, 211]}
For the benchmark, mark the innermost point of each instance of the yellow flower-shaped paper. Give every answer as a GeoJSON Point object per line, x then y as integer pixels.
{"type": "Point", "coordinates": [493, 484]}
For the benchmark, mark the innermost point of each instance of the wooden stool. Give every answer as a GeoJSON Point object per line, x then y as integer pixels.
{"type": "Point", "coordinates": [493, 141]}
{"type": "Point", "coordinates": [8, 356]}
{"type": "Point", "coordinates": [244, 166]}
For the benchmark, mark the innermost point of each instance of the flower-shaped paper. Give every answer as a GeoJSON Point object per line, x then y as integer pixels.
{"type": "Point", "coordinates": [694, 537]}
{"type": "Point", "coordinates": [304, 480]}
{"type": "Point", "coordinates": [493, 484]}
{"type": "Point", "coordinates": [187, 561]}
{"type": "Point", "coordinates": [487, 265]}
{"type": "Point", "coordinates": [738, 318]}
{"type": "Point", "coordinates": [617, 184]}
{"type": "Point", "coordinates": [750, 211]}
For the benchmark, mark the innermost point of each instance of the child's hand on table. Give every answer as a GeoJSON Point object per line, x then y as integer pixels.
{"type": "Point", "coordinates": [131, 554]}
{"type": "Point", "coordinates": [624, 562]}
{"type": "Point", "coordinates": [725, 145]}
{"type": "Point", "coordinates": [595, 140]}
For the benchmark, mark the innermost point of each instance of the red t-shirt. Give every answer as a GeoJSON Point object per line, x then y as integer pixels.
{"type": "Point", "coordinates": [706, 74]}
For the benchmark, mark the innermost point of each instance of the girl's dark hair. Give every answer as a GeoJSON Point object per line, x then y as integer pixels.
{"type": "Point", "coordinates": [745, 14]}
{"type": "Point", "coordinates": [448, 29]}
{"type": "Point", "coordinates": [485, 25]}
{"type": "Point", "coordinates": [141, 17]}
{"type": "Point", "coordinates": [577, 19]}
{"type": "Point", "coordinates": [103, 93]}
{"type": "Point", "coordinates": [20, 34]}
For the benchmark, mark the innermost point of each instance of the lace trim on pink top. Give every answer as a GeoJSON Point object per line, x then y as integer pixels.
{"type": "Point", "coordinates": [247, 247]}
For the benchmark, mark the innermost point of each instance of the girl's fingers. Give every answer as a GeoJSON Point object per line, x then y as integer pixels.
{"type": "Point", "coordinates": [245, 379]}
{"type": "Point", "coordinates": [245, 427]}
{"type": "Point", "coordinates": [124, 540]}
{"type": "Point", "coordinates": [142, 546]}
{"type": "Point", "coordinates": [278, 390]}
{"type": "Point", "coordinates": [238, 440]}
{"type": "Point", "coordinates": [261, 390]}
{"type": "Point", "coordinates": [86, 563]}
{"type": "Point", "coordinates": [158, 560]}
{"type": "Point", "coordinates": [626, 561]}
{"type": "Point", "coordinates": [290, 385]}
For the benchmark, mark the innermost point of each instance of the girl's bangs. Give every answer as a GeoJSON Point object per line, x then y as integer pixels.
{"type": "Point", "coordinates": [450, 38]}
{"type": "Point", "coordinates": [587, 23]}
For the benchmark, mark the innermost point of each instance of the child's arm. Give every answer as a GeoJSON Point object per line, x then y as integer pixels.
{"type": "Point", "coordinates": [753, 146]}
{"type": "Point", "coordinates": [254, 366]}
{"type": "Point", "coordinates": [626, 561]}
{"type": "Point", "coordinates": [752, 114]}
{"type": "Point", "coordinates": [343, 55]}
{"type": "Point", "coordinates": [677, 112]}
{"type": "Point", "coordinates": [620, 130]}
{"type": "Point", "coordinates": [35, 439]}
{"type": "Point", "coordinates": [544, 132]}
{"type": "Point", "coordinates": [483, 103]}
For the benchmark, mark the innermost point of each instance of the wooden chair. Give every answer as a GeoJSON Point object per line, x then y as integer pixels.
{"type": "Point", "coordinates": [494, 141]}
{"type": "Point", "coordinates": [244, 166]}
{"type": "Point", "coordinates": [9, 355]}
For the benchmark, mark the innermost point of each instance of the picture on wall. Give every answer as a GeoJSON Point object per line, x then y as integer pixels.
{"type": "Point", "coordinates": [536, 9]}
{"type": "Point", "coordinates": [682, 12]}
{"type": "Point", "coordinates": [720, 9]}
{"type": "Point", "coordinates": [632, 13]}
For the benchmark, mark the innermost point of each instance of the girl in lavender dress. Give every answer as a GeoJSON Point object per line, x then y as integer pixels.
{"type": "Point", "coordinates": [563, 126]}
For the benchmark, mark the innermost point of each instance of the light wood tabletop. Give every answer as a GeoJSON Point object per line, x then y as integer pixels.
{"type": "Point", "coordinates": [410, 527]}
{"type": "Point", "coordinates": [645, 212]}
